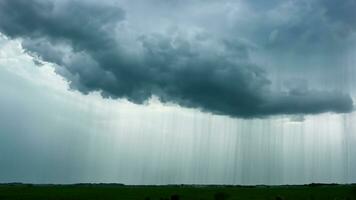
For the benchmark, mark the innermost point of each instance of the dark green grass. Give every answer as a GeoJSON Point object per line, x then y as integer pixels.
{"type": "Point", "coordinates": [115, 191]}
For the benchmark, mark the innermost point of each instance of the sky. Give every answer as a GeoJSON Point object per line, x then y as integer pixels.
{"type": "Point", "coordinates": [177, 92]}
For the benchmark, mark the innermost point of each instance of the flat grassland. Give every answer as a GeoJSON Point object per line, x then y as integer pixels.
{"type": "Point", "coordinates": [175, 192]}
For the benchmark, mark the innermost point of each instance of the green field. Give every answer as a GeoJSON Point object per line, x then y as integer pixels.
{"type": "Point", "coordinates": [174, 192]}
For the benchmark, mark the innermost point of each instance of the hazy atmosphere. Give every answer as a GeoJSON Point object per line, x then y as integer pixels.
{"type": "Point", "coordinates": [178, 92]}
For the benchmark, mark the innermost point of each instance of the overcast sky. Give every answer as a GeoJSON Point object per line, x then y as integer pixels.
{"type": "Point", "coordinates": [169, 91]}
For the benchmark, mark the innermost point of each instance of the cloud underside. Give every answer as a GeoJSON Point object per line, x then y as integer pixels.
{"type": "Point", "coordinates": [97, 49]}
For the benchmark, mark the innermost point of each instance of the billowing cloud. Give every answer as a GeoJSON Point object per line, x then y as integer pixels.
{"type": "Point", "coordinates": [99, 47]}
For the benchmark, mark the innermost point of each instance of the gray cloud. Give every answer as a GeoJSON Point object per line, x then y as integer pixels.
{"type": "Point", "coordinates": [305, 27]}
{"type": "Point", "coordinates": [342, 12]}
{"type": "Point", "coordinates": [97, 49]}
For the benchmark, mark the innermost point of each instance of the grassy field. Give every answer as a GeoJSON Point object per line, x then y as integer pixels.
{"type": "Point", "coordinates": [184, 192]}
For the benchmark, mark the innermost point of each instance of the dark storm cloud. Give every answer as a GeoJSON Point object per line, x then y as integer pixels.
{"type": "Point", "coordinates": [97, 50]}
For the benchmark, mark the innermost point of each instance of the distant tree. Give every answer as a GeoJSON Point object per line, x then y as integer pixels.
{"type": "Point", "coordinates": [354, 191]}
{"type": "Point", "coordinates": [279, 198]}
{"type": "Point", "coordinates": [221, 196]}
{"type": "Point", "coordinates": [175, 197]}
